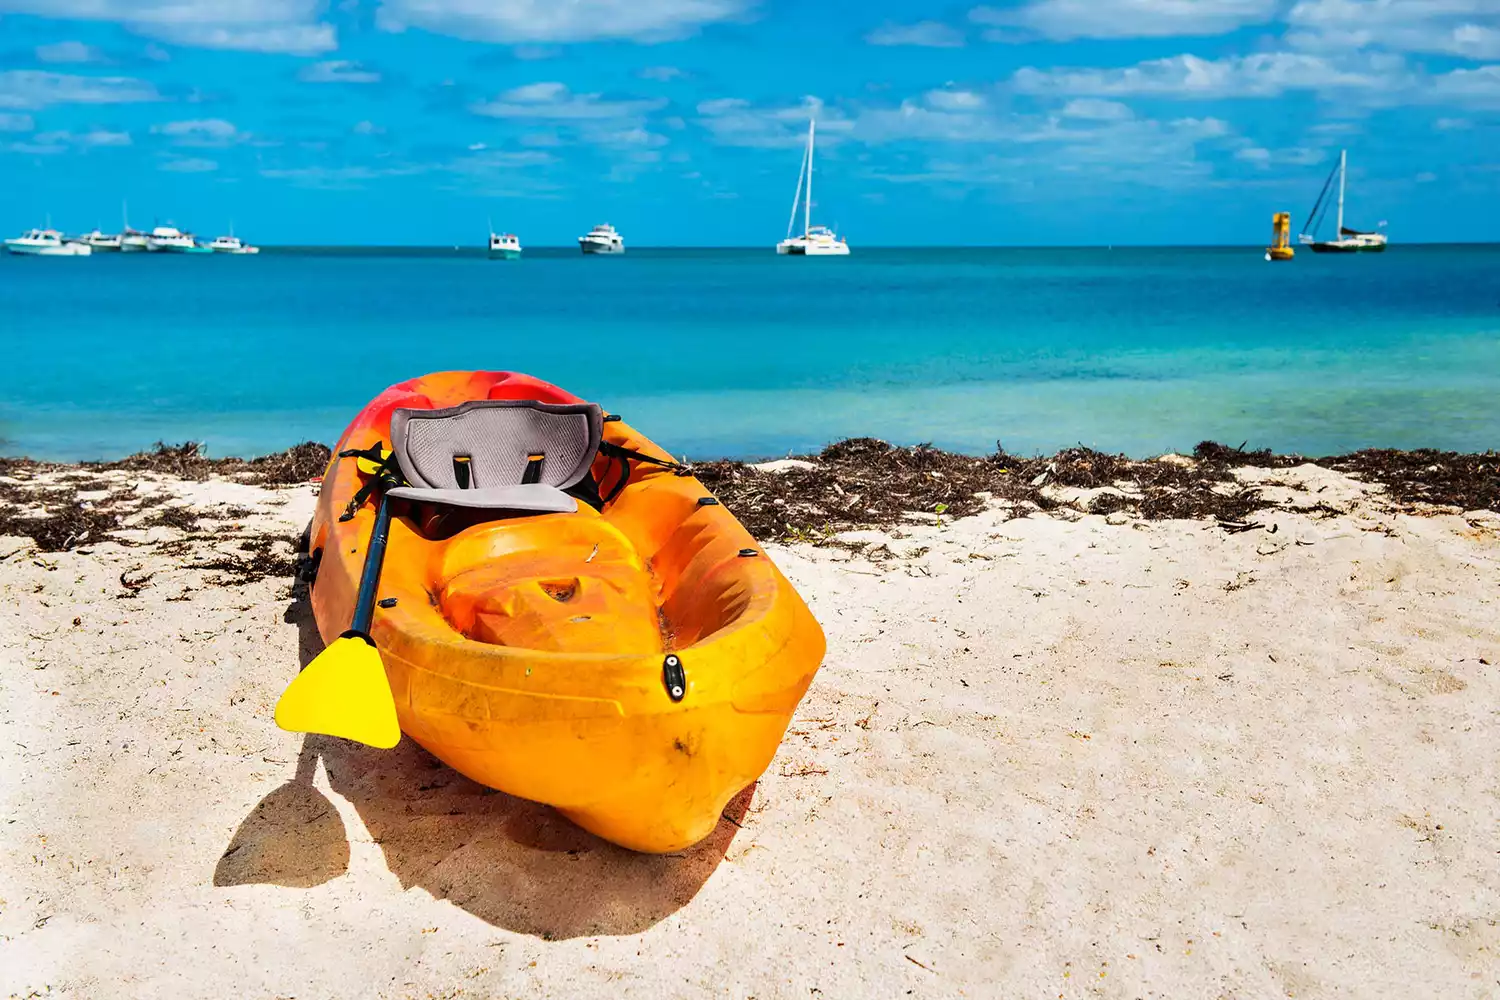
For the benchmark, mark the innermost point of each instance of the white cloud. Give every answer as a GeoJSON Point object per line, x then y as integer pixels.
{"type": "Point", "coordinates": [553, 100]}
{"type": "Point", "coordinates": [1255, 154]}
{"type": "Point", "coordinates": [253, 25]}
{"type": "Point", "coordinates": [15, 123]}
{"type": "Point", "coordinates": [1096, 109]}
{"type": "Point", "coordinates": [954, 100]}
{"type": "Point", "coordinates": [295, 39]}
{"type": "Point", "coordinates": [636, 137]}
{"type": "Point", "coordinates": [1187, 77]}
{"type": "Point", "coordinates": [337, 71]}
{"type": "Point", "coordinates": [1138, 151]}
{"type": "Point", "coordinates": [190, 165]}
{"type": "Point", "coordinates": [201, 132]}
{"type": "Point", "coordinates": [1452, 124]}
{"type": "Point", "coordinates": [69, 52]}
{"type": "Point", "coordinates": [663, 74]}
{"type": "Point", "coordinates": [533, 53]}
{"type": "Point", "coordinates": [735, 122]}
{"type": "Point", "coordinates": [1064, 20]}
{"type": "Point", "coordinates": [923, 34]}
{"type": "Point", "coordinates": [29, 88]}
{"type": "Point", "coordinates": [368, 128]}
{"type": "Point", "coordinates": [345, 178]}
{"type": "Point", "coordinates": [512, 21]}
{"type": "Point", "coordinates": [1470, 86]}
{"type": "Point", "coordinates": [1426, 177]}
{"type": "Point", "coordinates": [1466, 28]}
{"type": "Point", "coordinates": [56, 142]}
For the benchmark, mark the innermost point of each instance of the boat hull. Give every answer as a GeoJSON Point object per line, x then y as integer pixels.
{"type": "Point", "coordinates": [1342, 247]}
{"type": "Point", "coordinates": [505, 254]}
{"type": "Point", "coordinates": [602, 249]}
{"type": "Point", "coordinates": [813, 250]}
{"type": "Point", "coordinates": [529, 653]}
{"type": "Point", "coordinates": [32, 250]}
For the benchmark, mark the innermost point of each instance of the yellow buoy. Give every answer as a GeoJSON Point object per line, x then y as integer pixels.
{"type": "Point", "coordinates": [1281, 238]}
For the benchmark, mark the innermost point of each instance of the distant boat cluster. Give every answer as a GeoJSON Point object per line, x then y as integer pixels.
{"type": "Point", "coordinates": [49, 242]}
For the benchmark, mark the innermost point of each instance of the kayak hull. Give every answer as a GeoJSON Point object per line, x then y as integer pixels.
{"type": "Point", "coordinates": [530, 654]}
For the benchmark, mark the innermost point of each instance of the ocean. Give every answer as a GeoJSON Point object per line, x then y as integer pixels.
{"type": "Point", "coordinates": [741, 353]}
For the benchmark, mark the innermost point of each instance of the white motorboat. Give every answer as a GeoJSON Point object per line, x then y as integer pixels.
{"type": "Point", "coordinates": [169, 239]}
{"type": "Point", "coordinates": [602, 239]}
{"type": "Point", "coordinates": [504, 246]}
{"type": "Point", "coordinates": [232, 244]}
{"type": "Point", "coordinates": [47, 243]}
{"type": "Point", "coordinates": [100, 241]}
{"type": "Point", "coordinates": [134, 241]}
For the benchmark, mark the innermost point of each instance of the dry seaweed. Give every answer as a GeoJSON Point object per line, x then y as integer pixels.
{"type": "Point", "coordinates": [852, 484]}
{"type": "Point", "coordinates": [297, 464]}
{"type": "Point", "coordinates": [59, 527]}
{"type": "Point", "coordinates": [257, 558]}
{"type": "Point", "coordinates": [1426, 476]}
{"type": "Point", "coordinates": [867, 483]}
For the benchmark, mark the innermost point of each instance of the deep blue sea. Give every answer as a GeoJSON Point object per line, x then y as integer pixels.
{"type": "Point", "coordinates": [742, 353]}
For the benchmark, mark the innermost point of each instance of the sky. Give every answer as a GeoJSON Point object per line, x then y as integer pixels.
{"type": "Point", "coordinates": [1013, 122]}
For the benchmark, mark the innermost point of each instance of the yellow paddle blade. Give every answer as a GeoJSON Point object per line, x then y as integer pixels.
{"type": "Point", "coordinates": [370, 467]}
{"type": "Point", "coordinates": [342, 692]}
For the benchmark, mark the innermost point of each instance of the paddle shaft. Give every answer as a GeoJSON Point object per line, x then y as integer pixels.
{"type": "Point", "coordinates": [369, 580]}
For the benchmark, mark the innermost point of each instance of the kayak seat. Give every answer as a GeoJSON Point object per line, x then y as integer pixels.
{"type": "Point", "coordinates": [496, 454]}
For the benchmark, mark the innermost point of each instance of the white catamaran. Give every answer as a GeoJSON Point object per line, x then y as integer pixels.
{"type": "Point", "coordinates": [1345, 240]}
{"type": "Point", "coordinates": [815, 241]}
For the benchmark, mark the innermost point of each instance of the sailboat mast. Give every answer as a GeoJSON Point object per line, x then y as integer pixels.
{"type": "Point", "coordinates": [797, 198]}
{"type": "Point", "coordinates": [1343, 167]}
{"type": "Point", "coordinates": [807, 208]}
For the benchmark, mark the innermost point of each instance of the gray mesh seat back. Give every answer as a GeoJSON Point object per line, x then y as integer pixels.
{"type": "Point", "coordinates": [498, 438]}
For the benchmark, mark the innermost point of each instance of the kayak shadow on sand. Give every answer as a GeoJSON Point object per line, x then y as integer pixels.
{"type": "Point", "coordinates": [514, 863]}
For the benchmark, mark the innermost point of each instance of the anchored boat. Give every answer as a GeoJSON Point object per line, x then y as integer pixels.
{"type": "Point", "coordinates": [504, 246]}
{"type": "Point", "coordinates": [815, 241]}
{"type": "Point", "coordinates": [602, 239]}
{"type": "Point", "coordinates": [1347, 240]}
{"type": "Point", "coordinates": [46, 243]}
{"type": "Point", "coordinates": [564, 612]}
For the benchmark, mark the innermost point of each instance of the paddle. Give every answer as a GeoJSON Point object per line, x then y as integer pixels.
{"type": "Point", "coordinates": [344, 691]}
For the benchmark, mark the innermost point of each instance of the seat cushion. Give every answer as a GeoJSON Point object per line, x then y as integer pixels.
{"type": "Point", "coordinates": [496, 439]}
{"type": "Point", "coordinates": [532, 497]}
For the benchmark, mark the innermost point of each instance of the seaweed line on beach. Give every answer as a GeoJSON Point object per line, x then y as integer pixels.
{"type": "Point", "coordinates": [855, 484]}
{"type": "Point", "coordinates": [867, 483]}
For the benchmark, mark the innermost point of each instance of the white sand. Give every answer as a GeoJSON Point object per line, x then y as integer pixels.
{"type": "Point", "coordinates": [1046, 756]}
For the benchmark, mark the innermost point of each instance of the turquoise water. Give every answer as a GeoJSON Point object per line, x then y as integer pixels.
{"type": "Point", "coordinates": [739, 352]}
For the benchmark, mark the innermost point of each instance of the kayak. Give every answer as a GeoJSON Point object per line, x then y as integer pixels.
{"type": "Point", "coordinates": [564, 613]}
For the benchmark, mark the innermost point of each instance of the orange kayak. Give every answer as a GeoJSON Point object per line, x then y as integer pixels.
{"type": "Point", "coordinates": [633, 662]}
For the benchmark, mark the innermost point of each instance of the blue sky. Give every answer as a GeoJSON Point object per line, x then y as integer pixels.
{"type": "Point", "coordinates": [1021, 122]}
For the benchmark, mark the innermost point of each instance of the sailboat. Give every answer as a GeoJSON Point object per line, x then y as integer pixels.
{"type": "Point", "coordinates": [1346, 240]}
{"type": "Point", "coordinates": [815, 241]}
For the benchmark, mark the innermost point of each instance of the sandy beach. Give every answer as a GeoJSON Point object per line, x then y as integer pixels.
{"type": "Point", "coordinates": [1051, 753]}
